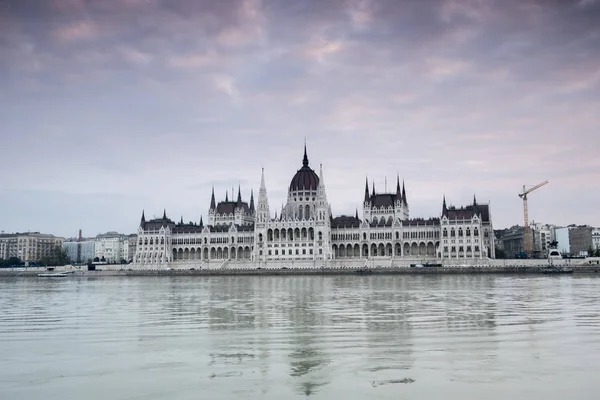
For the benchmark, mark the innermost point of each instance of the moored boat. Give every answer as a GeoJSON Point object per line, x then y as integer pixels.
{"type": "Point", "coordinates": [52, 275]}
{"type": "Point", "coordinates": [557, 270]}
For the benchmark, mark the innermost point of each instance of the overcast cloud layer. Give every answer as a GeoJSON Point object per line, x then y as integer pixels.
{"type": "Point", "coordinates": [108, 107]}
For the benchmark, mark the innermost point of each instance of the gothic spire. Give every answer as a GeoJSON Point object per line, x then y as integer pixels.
{"type": "Point", "coordinates": [181, 222]}
{"type": "Point", "coordinates": [262, 180]}
{"type": "Point", "coordinates": [212, 199]}
{"type": "Point", "coordinates": [398, 192]}
{"type": "Point", "coordinates": [143, 220]}
{"type": "Point", "coordinates": [366, 189]}
{"type": "Point", "coordinates": [474, 201]}
{"type": "Point", "coordinates": [252, 201]}
{"type": "Point", "coordinates": [321, 180]}
{"type": "Point", "coordinates": [404, 194]}
{"type": "Point", "coordinates": [164, 214]}
{"type": "Point", "coordinates": [305, 159]}
{"type": "Point", "coordinates": [444, 207]}
{"type": "Point", "coordinates": [226, 196]}
{"type": "Point", "coordinates": [239, 199]}
{"type": "Point", "coordinates": [373, 188]}
{"type": "Point", "coordinates": [356, 215]}
{"type": "Point", "coordinates": [201, 223]}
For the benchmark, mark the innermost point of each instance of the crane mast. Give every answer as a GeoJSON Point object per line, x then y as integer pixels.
{"type": "Point", "coordinates": [527, 239]}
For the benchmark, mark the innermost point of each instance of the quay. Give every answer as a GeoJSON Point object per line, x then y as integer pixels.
{"type": "Point", "coordinates": [358, 267]}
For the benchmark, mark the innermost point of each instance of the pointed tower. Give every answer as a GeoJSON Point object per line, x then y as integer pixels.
{"type": "Point", "coordinates": [356, 215]}
{"type": "Point", "coordinates": [212, 200]}
{"type": "Point", "coordinates": [201, 223]}
{"type": "Point", "coordinates": [261, 221]}
{"type": "Point", "coordinates": [474, 201]}
{"type": "Point", "coordinates": [367, 189]}
{"type": "Point", "coordinates": [181, 222]}
{"type": "Point", "coordinates": [373, 188]}
{"type": "Point", "coordinates": [252, 210]}
{"type": "Point", "coordinates": [305, 159]}
{"type": "Point", "coordinates": [405, 208]}
{"type": "Point", "coordinates": [143, 221]}
{"type": "Point", "coordinates": [444, 207]}
{"type": "Point", "coordinates": [239, 198]}
{"type": "Point", "coordinates": [321, 207]}
{"type": "Point", "coordinates": [226, 197]}
{"type": "Point", "coordinates": [164, 214]}
{"type": "Point", "coordinates": [262, 212]}
{"type": "Point", "coordinates": [398, 192]}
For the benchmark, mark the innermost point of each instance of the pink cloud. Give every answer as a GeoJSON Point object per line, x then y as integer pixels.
{"type": "Point", "coordinates": [76, 31]}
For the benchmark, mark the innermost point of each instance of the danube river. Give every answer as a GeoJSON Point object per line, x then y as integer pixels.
{"type": "Point", "coordinates": [280, 337]}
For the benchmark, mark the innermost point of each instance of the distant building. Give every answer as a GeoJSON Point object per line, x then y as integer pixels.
{"type": "Point", "coordinates": [28, 247]}
{"type": "Point", "coordinates": [561, 235]}
{"type": "Point", "coordinates": [80, 251]}
{"type": "Point", "coordinates": [131, 247]}
{"type": "Point", "coordinates": [542, 236]}
{"type": "Point", "coordinates": [514, 242]}
{"type": "Point", "coordinates": [596, 238]}
{"type": "Point", "coordinates": [112, 246]}
{"type": "Point", "coordinates": [580, 239]}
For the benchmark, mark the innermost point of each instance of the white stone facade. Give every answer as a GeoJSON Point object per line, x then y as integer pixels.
{"type": "Point", "coordinates": [111, 246]}
{"type": "Point", "coordinates": [596, 238]}
{"type": "Point", "coordinates": [306, 231]}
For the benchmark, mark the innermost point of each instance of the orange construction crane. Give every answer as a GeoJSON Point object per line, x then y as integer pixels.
{"type": "Point", "coordinates": [528, 245]}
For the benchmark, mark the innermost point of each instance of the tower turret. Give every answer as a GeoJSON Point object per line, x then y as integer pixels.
{"type": "Point", "coordinates": [262, 212]}
{"type": "Point", "coordinates": [366, 189]}
{"type": "Point", "coordinates": [213, 204]}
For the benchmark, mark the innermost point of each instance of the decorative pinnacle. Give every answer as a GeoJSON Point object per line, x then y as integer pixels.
{"type": "Point", "coordinates": [305, 159]}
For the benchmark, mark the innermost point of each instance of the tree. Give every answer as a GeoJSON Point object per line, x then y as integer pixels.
{"type": "Point", "coordinates": [11, 261]}
{"type": "Point", "coordinates": [57, 256]}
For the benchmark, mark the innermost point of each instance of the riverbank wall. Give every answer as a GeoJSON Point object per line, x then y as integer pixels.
{"type": "Point", "coordinates": [125, 272]}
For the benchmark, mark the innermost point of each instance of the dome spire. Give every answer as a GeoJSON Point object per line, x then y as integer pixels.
{"type": "Point", "coordinates": [305, 159]}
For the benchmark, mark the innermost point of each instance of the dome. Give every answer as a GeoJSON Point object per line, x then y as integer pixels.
{"type": "Point", "coordinates": [305, 178]}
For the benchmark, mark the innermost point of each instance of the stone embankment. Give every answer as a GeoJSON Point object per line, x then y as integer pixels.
{"type": "Point", "coordinates": [509, 269]}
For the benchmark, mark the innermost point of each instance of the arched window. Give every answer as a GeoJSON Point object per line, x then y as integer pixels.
{"type": "Point", "coordinates": [307, 212]}
{"type": "Point", "coordinates": [475, 232]}
{"type": "Point", "coordinates": [397, 235]}
{"type": "Point", "coordinates": [445, 234]}
{"type": "Point", "coordinates": [460, 232]}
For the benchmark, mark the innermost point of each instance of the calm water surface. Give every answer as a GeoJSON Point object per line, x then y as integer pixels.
{"type": "Point", "coordinates": [279, 337]}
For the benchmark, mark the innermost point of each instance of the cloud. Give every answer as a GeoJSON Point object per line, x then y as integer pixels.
{"type": "Point", "coordinates": [157, 101]}
{"type": "Point", "coordinates": [77, 30]}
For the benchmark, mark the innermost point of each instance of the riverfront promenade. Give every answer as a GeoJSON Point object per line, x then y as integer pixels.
{"type": "Point", "coordinates": [356, 267]}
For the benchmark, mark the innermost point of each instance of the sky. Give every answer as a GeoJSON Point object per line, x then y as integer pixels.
{"type": "Point", "coordinates": [111, 107]}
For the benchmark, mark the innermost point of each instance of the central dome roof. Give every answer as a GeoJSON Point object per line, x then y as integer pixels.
{"type": "Point", "coordinates": [305, 178]}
